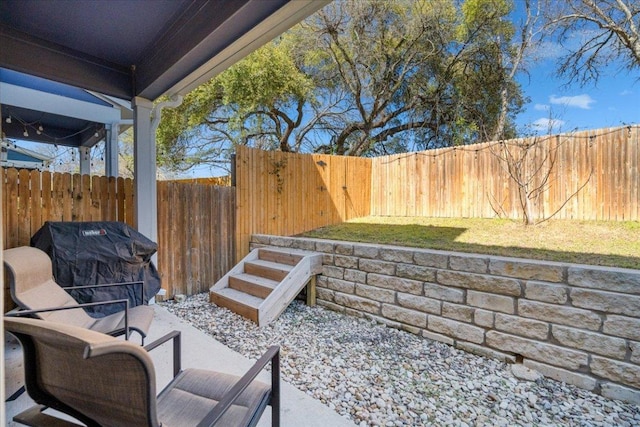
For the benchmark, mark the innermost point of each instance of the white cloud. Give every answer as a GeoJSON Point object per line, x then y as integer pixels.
{"type": "Point", "coordinates": [541, 107]}
{"type": "Point", "coordinates": [626, 92]}
{"type": "Point", "coordinates": [545, 50]}
{"type": "Point", "coordinates": [546, 124]}
{"type": "Point", "coordinates": [579, 101]}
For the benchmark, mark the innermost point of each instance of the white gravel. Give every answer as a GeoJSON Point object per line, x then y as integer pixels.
{"type": "Point", "coordinates": [379, 376]}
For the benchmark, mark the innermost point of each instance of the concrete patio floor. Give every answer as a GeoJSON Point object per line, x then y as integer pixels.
{"type": "Point", "coordinates": [198, 351]}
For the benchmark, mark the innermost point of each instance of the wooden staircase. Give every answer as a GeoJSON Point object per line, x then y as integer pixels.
{"type": "Point", "coordinates": [265, 282]}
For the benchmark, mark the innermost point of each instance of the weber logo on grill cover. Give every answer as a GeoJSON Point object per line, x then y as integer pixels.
{"type": "Point", "coordinates": [88, 233]}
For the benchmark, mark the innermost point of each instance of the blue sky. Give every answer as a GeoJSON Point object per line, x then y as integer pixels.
{"type": "Point", "coordinates": [614, 101]}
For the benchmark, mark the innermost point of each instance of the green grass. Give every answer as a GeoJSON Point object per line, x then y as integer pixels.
{"type": "Point", "coordinates": [615, 244]}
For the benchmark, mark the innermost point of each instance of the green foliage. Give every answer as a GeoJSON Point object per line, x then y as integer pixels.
{"type": "Point", "coordinates": [267, 77]}
{"type": "Point", "coordinates": [486, 33]}
{"type": "Point", "coordinates": [487, 16]}
{"type": "Point", "coordinates": [236, 107]}
{"type": "Point", "coordinates": [360, 77]}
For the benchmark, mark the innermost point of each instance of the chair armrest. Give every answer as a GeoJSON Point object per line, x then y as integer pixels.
{"type": "Point", "coordinates": [107, 285]}
{"type": "Point", "coordinates": [18, 313]}
{"type": "Point", "coordinates": [124, 302]}
{"type": "Point", "coordinates": [271, 355]}
{"type": "Point", "coordinates": [176, 349]}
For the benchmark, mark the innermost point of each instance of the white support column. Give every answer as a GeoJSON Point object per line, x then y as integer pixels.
{"type": "Point", "coordinates": [85, 160]}
{"type": "Point", "coordinates": [3, 151]}
{"type": "Point", "coordinates": [144, 155]}
{"type": "Point", "coordinates": [111, 150]}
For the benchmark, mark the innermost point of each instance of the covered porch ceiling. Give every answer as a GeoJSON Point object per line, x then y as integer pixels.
{"type": "Point", "coordinates": [138, 51]}
{"type": "Point", "coordinates": [141, 48]}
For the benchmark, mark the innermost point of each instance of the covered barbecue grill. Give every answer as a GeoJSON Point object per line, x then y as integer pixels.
{"type": "Point", "coordinates": [93, 253]}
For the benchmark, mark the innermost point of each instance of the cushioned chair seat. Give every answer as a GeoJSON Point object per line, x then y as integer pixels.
{"type": "Point", "coordinates": [194, 392]}
{"type": "Point", "coordinates": [103, 381]}
{"type": "Point", "coordinates": [33, 288]}
{"type": "Point", "coordinates": [140, 318]}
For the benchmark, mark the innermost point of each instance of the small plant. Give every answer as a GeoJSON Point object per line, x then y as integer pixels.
{"type": "Point", "coordinates": [529, 164]}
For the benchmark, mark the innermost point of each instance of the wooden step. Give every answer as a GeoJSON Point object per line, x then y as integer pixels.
{"type": "Point", "coordinates": [267, 269]}
{"type": "Point", "coordinates": [263, 284]}
{"type": "Point", "coordinates": [253, 285]}
{"type": "Point", "coordinates": [280, 257]}
{"type": "Point", "coordinates": [243, 304]}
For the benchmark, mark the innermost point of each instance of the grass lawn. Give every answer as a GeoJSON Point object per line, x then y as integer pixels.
{"type": "Point", "coordinates": [615, 244]}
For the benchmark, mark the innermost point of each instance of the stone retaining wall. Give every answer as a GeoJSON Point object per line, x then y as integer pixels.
{"type": "Point", "coordinates": [575, 323]}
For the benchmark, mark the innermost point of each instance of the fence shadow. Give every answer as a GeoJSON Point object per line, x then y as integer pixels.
{"type": "Point", "coordinates": [588, 258]}
{"type": "Point", "coordinates": [421, 236]}
{"type": "Point", "coordinates": [446, 239]}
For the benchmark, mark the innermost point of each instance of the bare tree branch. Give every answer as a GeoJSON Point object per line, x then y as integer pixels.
{"type": "Point", "coordinates": [616, 34]}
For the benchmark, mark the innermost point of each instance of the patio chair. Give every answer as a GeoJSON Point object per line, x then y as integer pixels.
{"type": "Point", "coordinates": [34, 290]}
{"type": "Point", "coordinates": [102, 381]}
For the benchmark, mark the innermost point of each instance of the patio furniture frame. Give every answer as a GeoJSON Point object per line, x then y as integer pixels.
{"type": "Point", "coordinates": [32, 284]}
{"type": "Point", "coordinates": [96, 394]}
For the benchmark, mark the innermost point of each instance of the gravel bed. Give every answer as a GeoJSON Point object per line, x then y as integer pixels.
{"type": "Point", "coordinates": [379, 376]}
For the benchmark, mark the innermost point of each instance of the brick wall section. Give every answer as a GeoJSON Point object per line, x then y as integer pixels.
{"type": "Point", "coordinates": [575, 323]}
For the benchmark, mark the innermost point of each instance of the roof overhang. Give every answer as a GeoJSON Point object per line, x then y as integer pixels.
{"type": "Point", "coordinates": [145, 48]}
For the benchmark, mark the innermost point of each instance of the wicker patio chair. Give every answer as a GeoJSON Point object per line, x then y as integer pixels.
{"type": "Point", "coordinates": [103, 381]}
{"type": "Point", "coordinates": [34, 290]}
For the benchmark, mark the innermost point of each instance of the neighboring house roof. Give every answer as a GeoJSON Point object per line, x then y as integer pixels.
{"type": "Point", "coordinates": [13, 156]}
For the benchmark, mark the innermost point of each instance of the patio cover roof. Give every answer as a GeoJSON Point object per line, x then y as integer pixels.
{"type": "Point", "coordinates": [139, 50]}
{"type": "Point", "coordinates": [142, 48]}
{"type": "Point", "coordinates": [37, 109]}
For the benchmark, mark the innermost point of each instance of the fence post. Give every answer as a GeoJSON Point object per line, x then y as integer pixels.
{"type": "Point", "coordinates": [233, 170]}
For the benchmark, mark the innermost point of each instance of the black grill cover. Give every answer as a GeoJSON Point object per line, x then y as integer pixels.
{"type": "Point", "coordinates": [92, 253]}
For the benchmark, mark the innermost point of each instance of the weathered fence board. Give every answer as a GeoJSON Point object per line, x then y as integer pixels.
{"type": "Point", "coordinates": [594, 177]}
{"type": "Point", "coordinates": [196, 225]}
{"type": "Point", "coordinates": [223, 181]}
{"type": "Point", "coordinates": [30, 198]}
{"type": "Point", "coordinates": [286, 193]}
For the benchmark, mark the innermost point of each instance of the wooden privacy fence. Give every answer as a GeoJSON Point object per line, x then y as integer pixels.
{"type": "Point", "coordinates": [214, 180]}
{"type": "Point", "coordinates": [590, 175]}
{"type": "Point", "coordinates": [204, 229]}
{"type": "Point", "coordinates": [30, 198]}
{"type": "Point", "coordinates": [196, 242]}
{"type": "Point", "coordinates": [195, 222]}
{"type": "Point", "coordinates": [286, 194]}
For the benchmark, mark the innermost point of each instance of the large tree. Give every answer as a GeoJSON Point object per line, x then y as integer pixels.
{"type": "Point", "coordinates": [360, 77]}
{"type": "Point", "coordinates": [410, 74]}
{"type": "Point", "coordinates": [596, 33]}
{"type": "Point", "coordinates": [509, 44]}
{"type": "Point", "coordinates": [257, 102]}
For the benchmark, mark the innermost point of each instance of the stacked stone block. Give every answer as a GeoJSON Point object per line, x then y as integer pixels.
{"type": "Point", "coordinates": [574, 323]}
